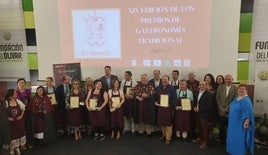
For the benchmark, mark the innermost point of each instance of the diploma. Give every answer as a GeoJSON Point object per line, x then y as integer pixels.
{"type": "Point", "coordinates": [93, 103]}
{"type": "Point", "coordinates": [115, 102]}
{"type": "Point", "coordinates": [130, 91]}
{"type": "Point", "coordinates": [185, 104]}
{"type": "Point", "coordinates": [52, 98]}
{"type": "Point", "coordinates": [74, 102]}
{"type": "Point", "coordinates": [164, 100]}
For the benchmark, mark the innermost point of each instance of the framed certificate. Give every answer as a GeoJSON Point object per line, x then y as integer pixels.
{"type": "Point", "coordinates": [164, 100]}
{"type": "Point", "coordinates": [93, 103]}
{"type": "Point", "coordinates": [74, 102]}
{"type": "Point", "coordinates": [52, 98]}
{"type": "Point", "coordinates": [186, 104]}
{"type": "Point", "coordinates": [115, 102]}
{"type": "Point", "coordinates": [130, 91]}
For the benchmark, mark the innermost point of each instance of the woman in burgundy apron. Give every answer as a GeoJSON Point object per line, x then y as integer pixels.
{"type": "Point", "coordinates": [97, 113]}
{"type": "Point", "coordinates": [15, 116]}
{"type": "Point", "coordinates": [182, 117]}
{"type": "Point", "coordinates": [75, 114]}
{"type": "Point", "coordinates": [39, 107]}
{"type": "Point", "coordinates": [117, 120]}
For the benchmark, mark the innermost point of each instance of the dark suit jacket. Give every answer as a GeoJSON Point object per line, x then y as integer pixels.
{"type": "Point", "coordinates": [60, 95]}
{"type": "Point", "coordinates": [104, 82]}
{"type": "Point", "coordinates": [153, 83]}
{"type": "Point", "coordinates": [204, 104]}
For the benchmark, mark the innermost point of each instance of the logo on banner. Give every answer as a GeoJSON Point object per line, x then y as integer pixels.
{"type": "Point", "coordinates": [261, 48]}
{"type": "Point", "coordinates": [10, 51]}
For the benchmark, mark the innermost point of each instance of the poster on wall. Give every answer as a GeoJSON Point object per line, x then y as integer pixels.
{"type": "Point", "coordinates": [69, 69]}
{"type": "Point", "coordinates": [13, 47]}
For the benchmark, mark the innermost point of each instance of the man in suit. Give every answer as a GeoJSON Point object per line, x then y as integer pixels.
{"type": "Point", "coordinates": [62, 92]}
{"type": "Point", "coordinates": [202, 106]}
{"type": "Point", "coordinates": [107, 79]}
{"type": "Point", "coordinates": [224, 96]}
{"type": "Point", "coordinates": [156, 81]}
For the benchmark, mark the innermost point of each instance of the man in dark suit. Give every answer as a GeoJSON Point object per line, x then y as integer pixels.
{"type": "Point", "coordinates": [107, 79]}
{"type": "Point", "coordinates": [202, 105]}
{"type": "Point", "coordinates": [62, 92]}
{"type": "Point", "coordinates": [156, 81]}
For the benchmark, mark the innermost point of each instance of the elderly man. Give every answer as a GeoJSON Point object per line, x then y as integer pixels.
{"type": "Point", "coordinates": [224, 96]}
{"type": "Point", "coordinates": [145, 93]}
{"type": "Point", "coordinates": [166, 100]}
{"type": "Point", "coordinates": [192, 83]}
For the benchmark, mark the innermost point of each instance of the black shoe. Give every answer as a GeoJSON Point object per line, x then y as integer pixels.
{"type": "Point", "coordinates": [162, 138]}
{"type": "Point", "coordinates": [185, 140]}
{"type": "Point", "coordinates": [40, 143]}
{"type": "Point", "coordinates": [179, 139]}
{"type": "Point", "coordinates": [96, 136]}
{"type": "Point", "coordinates": [133, 133]}
{"type": "Point", "coordinates": [149, 135]}
{"type": "Point", "coordinates": [102, 137]}
{"type": "Point", "coordinates": [167, 142]}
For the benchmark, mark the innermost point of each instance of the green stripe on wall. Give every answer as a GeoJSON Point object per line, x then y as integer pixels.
{"type": "Point", "coordinates": [245, 22]}
{"type": "Point", "coordinates": [244, 42]}
{"type": "Point", "coordinates": [27, 5]}
{"type": "Point", "coordinates": [33, 62]}
{"type": "Point", "coordinates": [242, 71]}
{"type": "Point", "coordinates": [29, 20]}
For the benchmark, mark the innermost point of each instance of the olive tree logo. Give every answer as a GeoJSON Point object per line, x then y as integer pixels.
{"type": "Point", "coordinates": [7, 35]}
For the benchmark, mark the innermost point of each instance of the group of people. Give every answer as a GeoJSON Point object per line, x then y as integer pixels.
{"type": "Point", "coordinates": [186, 110]}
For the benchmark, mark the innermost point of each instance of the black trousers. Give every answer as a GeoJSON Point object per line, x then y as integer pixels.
{"type": "Point", "coordinates": [223, 125]}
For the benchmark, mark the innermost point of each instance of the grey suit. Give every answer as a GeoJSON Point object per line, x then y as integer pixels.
{"type": "Point", "coordinates": [224, 101]}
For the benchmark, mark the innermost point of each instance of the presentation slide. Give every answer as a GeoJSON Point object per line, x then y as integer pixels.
{"type": "Point", "coordinates": [138, 35]}
{"type": "Point", "coordinates": [141, 33]}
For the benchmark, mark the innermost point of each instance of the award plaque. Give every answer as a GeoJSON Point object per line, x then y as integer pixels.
{"type": "Point", "coordinates": [52, 98]}
{"type": "Point", "coordinates": [164, 100]}
{"type": "Point", "coordinates": [115, 102]}
{"type": "Point", "coordinates": [130, 91]}
{"type": "Point", "coordinates": [74, 102]}
{"type": "Point", "coordinates": [186, 104]}
{"type": "Point", "coordinates": [93, 103]}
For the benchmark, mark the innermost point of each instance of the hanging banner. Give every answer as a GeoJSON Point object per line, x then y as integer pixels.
{"type": "Point", "coordinates": [13, 47]}
{"type": "Point", "coordinates": [70, 69]}
{"type": "Point", "coordinates": [259, 56]}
